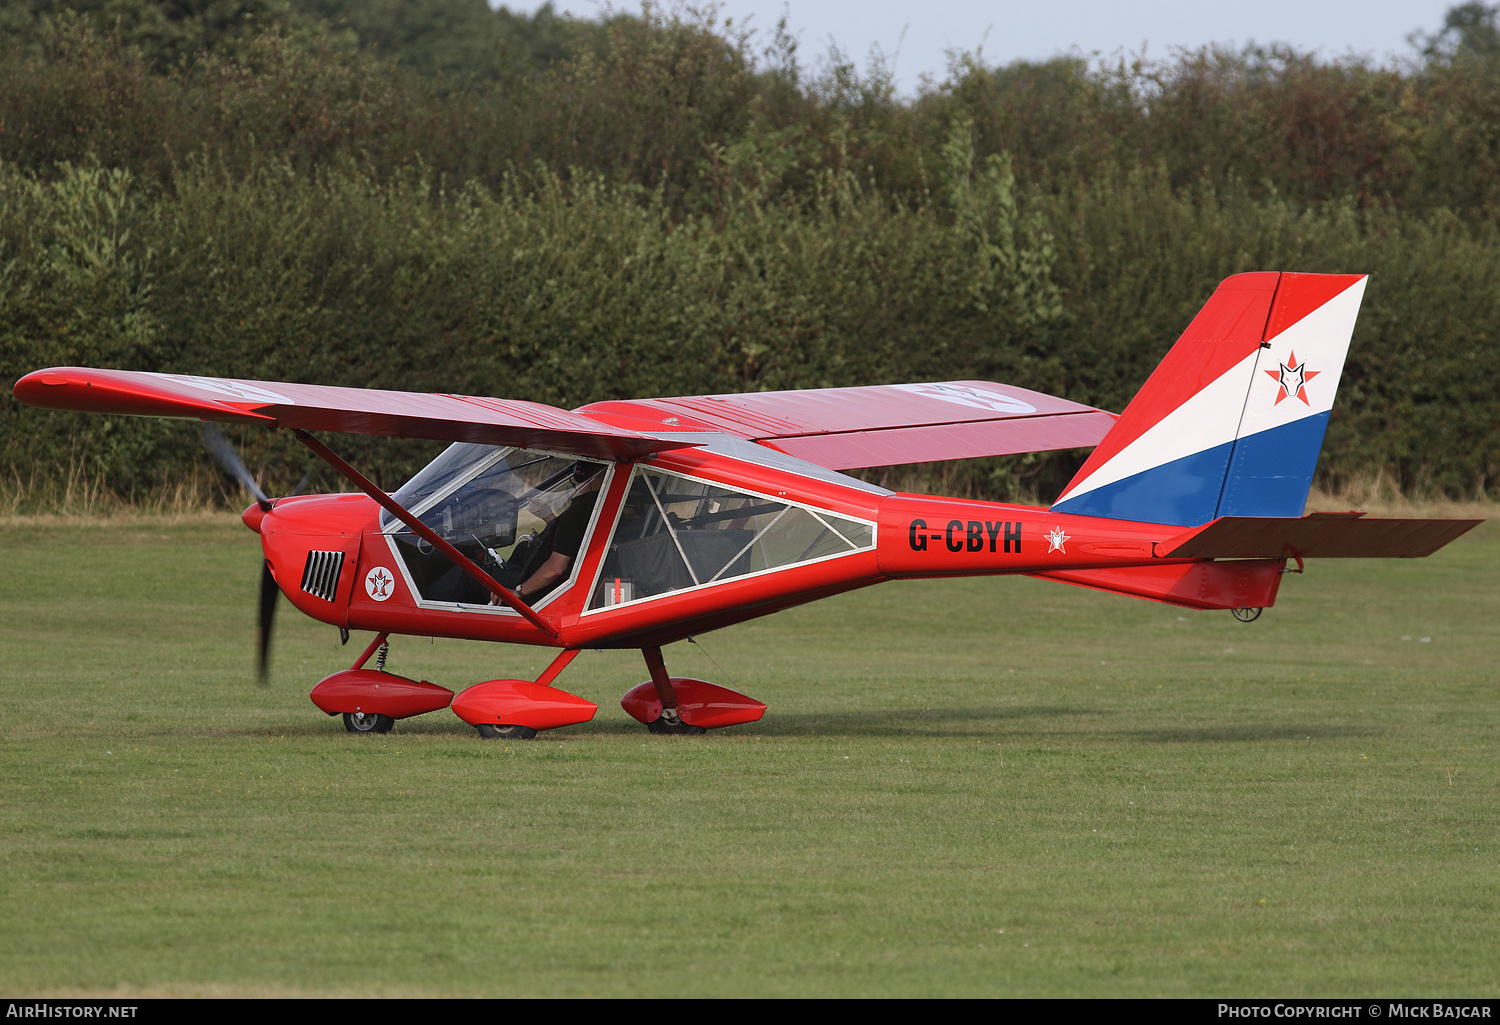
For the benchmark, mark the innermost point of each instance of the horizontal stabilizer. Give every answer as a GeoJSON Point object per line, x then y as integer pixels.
{"type": "Point", "coordinates": [1318, 535]}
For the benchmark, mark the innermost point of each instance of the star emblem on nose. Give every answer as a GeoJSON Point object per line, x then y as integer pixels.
{"type": "Point", "coordinates": [1293, 377]}
{"type": "Point", "coordinates": [379, 583]}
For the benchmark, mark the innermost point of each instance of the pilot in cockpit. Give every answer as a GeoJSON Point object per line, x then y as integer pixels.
{"type": "Point", "coordinates": [549, 558]}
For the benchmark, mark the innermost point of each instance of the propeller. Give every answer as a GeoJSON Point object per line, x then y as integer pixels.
{"type": "Point", "coordinates": [224, 454]}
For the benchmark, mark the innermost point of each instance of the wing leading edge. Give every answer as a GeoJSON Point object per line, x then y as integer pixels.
{"type": "Point", "coordinates": [321, 408]}
{"type": "Point", "coordinates": [879, 425]}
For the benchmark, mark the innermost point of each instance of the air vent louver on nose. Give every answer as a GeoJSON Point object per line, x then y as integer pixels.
{"type": "Point", "coordinates": [320, 577]}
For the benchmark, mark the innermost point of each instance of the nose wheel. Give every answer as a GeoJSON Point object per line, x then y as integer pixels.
{"type": "Point", "coordinates": [368, 722]}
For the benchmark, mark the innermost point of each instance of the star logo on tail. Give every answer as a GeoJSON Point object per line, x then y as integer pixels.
{"type": "Point", "coordinates": [1293, 377]}
{"type": "Point", "coordinates": [1055, 541]}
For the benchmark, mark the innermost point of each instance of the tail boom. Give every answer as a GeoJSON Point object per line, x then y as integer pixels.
{"type": "Point", "coordinates": [928, 536]}
{"type": "Point", "coordinates": [921, 536]}
{"type": "Point", "coordinates": [1229, 563]}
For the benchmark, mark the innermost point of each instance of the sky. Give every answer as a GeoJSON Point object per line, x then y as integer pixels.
{"type": "Point", "coordinates": [918, 36]}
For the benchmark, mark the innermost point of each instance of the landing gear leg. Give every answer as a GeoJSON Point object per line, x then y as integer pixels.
{"type": "Point", "coordinates": [669, 721]}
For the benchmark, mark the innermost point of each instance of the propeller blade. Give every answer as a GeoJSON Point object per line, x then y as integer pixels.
{"type": "Point", "coordinates": [224, 454]}
{"type": "Point", "coordinates": [305, 481]}
{"type": "Point", "coordinates": [268, 595]}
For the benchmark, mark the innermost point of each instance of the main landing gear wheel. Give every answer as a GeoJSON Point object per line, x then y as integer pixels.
{"type": "Point", "coordinates": [489, 732]}
{"type": "Point", "coordinates": [673, 726]}
{"type": "Point", "coordinates": [368, 722]}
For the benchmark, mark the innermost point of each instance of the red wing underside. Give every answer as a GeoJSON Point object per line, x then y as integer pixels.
{"type": "Point", "coordinates": [349, 410]}
{"type": "Point", "coordinates": [881, 425]}
{"type": "Point", "coordinates": [1319, 535]}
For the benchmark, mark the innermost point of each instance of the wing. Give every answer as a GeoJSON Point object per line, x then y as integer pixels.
{"type": "Point", "coordinates": [882, 425]}
{"type": "Point", "coordinates": [319, 408]}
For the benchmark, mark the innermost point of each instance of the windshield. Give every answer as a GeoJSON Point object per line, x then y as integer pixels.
{"type": "Point", "coordinates": [456, 462]}
{"type": "Point", "coordinates": [483, 493]}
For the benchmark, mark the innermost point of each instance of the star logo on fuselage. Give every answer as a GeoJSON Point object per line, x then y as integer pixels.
{"type": "Point", "coordinates": [1293, 377]}
{"type": "Point", "coordinates": [1055, 541]}
{"type": "Point", "coordinates": [378, 583]}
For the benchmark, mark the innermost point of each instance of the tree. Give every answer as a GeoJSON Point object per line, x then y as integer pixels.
{"type": "Point", "coordinates": [1470, 31]}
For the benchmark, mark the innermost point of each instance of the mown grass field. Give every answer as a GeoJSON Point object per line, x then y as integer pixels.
{"type": "Point", "coordinates": [967, 788]}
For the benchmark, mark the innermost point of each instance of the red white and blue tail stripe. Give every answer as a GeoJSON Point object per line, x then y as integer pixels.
{"type": "Point", "coordinates": [1231, 422]}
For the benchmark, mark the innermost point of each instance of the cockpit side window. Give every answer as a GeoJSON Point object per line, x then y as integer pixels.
{"type": "Point", "coordinates": [676, 533]}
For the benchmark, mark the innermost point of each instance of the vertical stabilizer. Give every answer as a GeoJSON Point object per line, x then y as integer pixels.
{"type": "Point", "coordinates": [1232, 420]}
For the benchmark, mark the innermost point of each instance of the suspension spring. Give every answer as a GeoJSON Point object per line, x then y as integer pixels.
{"type": "Point", "coordinates": [380, 658]}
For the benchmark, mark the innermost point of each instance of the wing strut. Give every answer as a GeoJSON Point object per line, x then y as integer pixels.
{"type": "Point", "coordinates": [421, 529]}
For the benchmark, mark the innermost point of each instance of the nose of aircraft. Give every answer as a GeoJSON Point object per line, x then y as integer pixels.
{"type": "Point", "coordinates": [252, 516]}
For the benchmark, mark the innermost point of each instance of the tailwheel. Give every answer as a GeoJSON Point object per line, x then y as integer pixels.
{"type": "Point", "coordinates": [368, 722]}
{"type": "Point", "coordinates": [670, 723]}
{"type": "Point", "coordinates": [511, 732]}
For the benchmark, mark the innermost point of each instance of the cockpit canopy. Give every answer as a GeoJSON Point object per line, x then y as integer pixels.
{"type": "Point", "coordinates": [671, 533]}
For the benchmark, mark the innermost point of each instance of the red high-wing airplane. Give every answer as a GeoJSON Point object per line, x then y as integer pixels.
{"type": "Point", "coordinates": [631, 524]}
